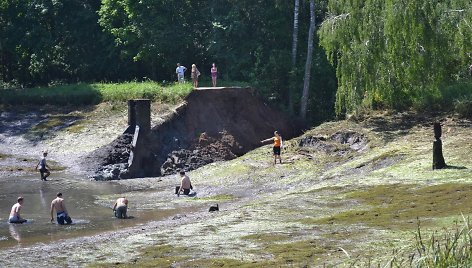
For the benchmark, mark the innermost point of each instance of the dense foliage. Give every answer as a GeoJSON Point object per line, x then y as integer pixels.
{"type": "Point", "coordinates": [48, 42]}
{"type": "Point", "coordinates": [383, 54]}
{"type": "Point", "coordinates": [396, 54]}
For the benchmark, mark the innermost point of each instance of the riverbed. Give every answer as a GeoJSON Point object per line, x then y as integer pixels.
{"type": "Point", "coordinates": [89, 204]}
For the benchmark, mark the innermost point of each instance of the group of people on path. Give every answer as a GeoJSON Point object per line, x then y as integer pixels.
{"type": "Point", "coordinates": [195, 73]}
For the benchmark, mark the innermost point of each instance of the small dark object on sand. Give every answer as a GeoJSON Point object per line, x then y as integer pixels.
{"type": "Point", "coordinates": [214, 208]}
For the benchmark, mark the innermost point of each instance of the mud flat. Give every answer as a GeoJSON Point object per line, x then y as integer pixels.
{"type": "Point", "coordinates": [347, 191]}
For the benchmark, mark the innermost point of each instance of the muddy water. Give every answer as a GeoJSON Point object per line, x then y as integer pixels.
{"type": "Point", "coordinates": [89, 217]}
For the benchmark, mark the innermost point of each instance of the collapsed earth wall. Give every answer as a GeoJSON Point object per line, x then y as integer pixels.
{"type": "Point", "coordinates": [212, 124]}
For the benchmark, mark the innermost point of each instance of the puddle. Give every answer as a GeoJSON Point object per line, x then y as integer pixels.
{"type": "Point", "coordinates": [80, 197]}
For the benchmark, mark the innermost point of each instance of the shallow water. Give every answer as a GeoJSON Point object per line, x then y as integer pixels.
{"type": "Point", "coordinates": [80, 197]}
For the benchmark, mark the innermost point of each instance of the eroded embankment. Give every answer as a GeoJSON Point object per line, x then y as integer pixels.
{"type": "Point", "coordinates": [211, 125]}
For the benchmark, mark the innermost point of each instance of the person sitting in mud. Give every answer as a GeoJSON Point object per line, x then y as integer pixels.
{"type": "Point", "coordinates": [185, 185]}
{"type": "Point", "coordinates": [61, 211]}
{"type": "Point", "coordinates": [277, 145]}
{"type": "Point", "coordinates": [121, 207]}
{"type": "Point", "coordinates": [43, 167]}
{"type": "Point", "coordinates": [15, 212]}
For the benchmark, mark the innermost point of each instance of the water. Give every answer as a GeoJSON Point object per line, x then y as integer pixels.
{"type": "Point", "coordinates": [89, 215]}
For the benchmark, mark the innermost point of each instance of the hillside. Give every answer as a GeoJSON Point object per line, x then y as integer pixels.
{"type": "Point", "coordinates": [348, 191]}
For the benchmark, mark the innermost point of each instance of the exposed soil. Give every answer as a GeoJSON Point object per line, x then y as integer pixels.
{"type": "Point", "coordinates": [346, 187]}
{"type": "Point", "coordinates": [212, 125]}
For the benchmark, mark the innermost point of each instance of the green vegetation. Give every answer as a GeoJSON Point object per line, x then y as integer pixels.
{"type": "Point", "coordinates": [397, 54]}
{"type": "Point", "coordinates": [70, 41]}
{"type": "Point", "coordinates": [450, 249]}
{"type": "Point", "coordinates": [398, 206]}
{"type": "Point", "coordinates": [158, 256]}
{"type": "Point", "coordinates": [88, 94]}
{"type": "Point", "coordinates": [222, 197]}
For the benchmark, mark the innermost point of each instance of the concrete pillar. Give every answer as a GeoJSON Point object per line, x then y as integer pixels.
{"type": "Point", "coordinates": [143, 115]}
{"type": "Point", "coordinates": [131, 113]}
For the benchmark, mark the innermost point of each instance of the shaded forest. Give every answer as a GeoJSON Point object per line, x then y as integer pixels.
{"type": "Point", "coordinates": [314, 59]}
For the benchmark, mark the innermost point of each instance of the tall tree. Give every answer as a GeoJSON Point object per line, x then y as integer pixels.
{"type": "Point", "coordinates": [292, 86]}
{"type": "Point", "coordinates": [308, 64]}
{"type": "Point", "coordinates": [395, 54]}
{"type": "Point", "coordinates": [296, 11]}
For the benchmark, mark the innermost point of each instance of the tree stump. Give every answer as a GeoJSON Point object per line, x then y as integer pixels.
{"type": "Point", "coordinates": [438, 158]}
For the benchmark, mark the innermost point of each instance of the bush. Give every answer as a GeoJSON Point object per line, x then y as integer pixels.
{"type": "Point", "coordinates": [464, 107]}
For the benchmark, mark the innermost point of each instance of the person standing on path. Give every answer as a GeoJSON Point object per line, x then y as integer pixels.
{"type": "Point", "coordinates": [43, 167]}
{"type": "Point", "coordinates": [180, 71]}
{"type": "Point", "coordinates": [195, 74]}
{"type": "Point", "coordinates": [214, 74]}
{"type": "Point", "coordinates": [277, 145]}
{"type": "Point", "coordinates": [15, 212]}
{"type": "Point", "coordinates": [59, 205]}
{"type": "Point", "coordinates": [121, 208]}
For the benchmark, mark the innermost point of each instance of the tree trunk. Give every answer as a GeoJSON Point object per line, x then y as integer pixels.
{"type": "Point", "coordinates": [309, 56]}
{"type": "Point", "coordinates": [295, 33]}
{"type": "Point", "coordinates": [292, 86]}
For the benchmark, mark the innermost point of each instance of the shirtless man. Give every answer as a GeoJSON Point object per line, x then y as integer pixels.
{"type": "Point", "coordinates": [185, 185]}
{"type": "Point", "coordinates": [15, 212]}
{"type": "Point", "coordinates": [61, 211]}
{"type": "Point", "coordinates": [121, 207]}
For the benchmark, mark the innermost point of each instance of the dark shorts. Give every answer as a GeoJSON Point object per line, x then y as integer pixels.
{"type": "Point", "coordinates": [276, 150]}
{"type": "Point", "coordinates": [186, 191]}
{"type": "Point", "coordinates": [120, 212]}
{"type": "Point", "coordinates": [43, 170]}
{"type": "Point", "coordinates": [63, 218]}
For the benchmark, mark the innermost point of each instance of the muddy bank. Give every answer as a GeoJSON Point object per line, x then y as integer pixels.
{"type": "Point", "coordinates": [211, 125]}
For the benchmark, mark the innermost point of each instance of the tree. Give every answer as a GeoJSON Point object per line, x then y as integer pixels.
{"type": "Point", "coordinates": [292, 86]}
{"type": "Point", "coordinates": [309, 56]}
{"type": "Point", "coordinates": [395, 54]}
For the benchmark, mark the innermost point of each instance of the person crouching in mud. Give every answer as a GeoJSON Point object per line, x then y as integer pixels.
{"type": "Point", "coordinates": [277, 145]}
{"type": "Point", "coordinates": [15, 212]}
{"type": "Point", "coordinates": [61, 211]}
{"type": "Point", "coordinates": [121, 207]}
{"type": "Point", "coordinates": [185, 185]}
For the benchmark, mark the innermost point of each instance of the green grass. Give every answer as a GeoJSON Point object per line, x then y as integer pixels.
{"type": "Point", "coordinates": [398, 206]}
{"type": "Point", "coordinates": [221, 197]}
{"type": "Point", "coordinates": [89, 94]}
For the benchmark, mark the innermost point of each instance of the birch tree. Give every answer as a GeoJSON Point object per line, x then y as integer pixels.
{"type": "Point", "coordinates": [309, 56]}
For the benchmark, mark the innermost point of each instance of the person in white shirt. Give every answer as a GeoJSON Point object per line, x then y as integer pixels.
{"type": "Point", "coordinates": [180, 71]}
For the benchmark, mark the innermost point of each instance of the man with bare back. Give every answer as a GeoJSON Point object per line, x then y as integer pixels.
{"type": "Point", "coordinates": [15, 212]}
{"type": "Point", "coordinates": [61, 211]}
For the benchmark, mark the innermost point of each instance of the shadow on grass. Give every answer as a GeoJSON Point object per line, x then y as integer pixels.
{"type": "Point", "coordinates": [454, 167]}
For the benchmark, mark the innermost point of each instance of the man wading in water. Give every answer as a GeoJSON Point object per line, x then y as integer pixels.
{"type": "Point", "coordinates": [121, 207]}
{"type": "Point", "coordinates": [61, 211]}
{"type": "Point", "coordinates": [43, 167]}
{"type": "Point", "coordinates": [15, 212]}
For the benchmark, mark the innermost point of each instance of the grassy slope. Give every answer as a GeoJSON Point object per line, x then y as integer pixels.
{"type": "Point", "coordinates": [340, 207]}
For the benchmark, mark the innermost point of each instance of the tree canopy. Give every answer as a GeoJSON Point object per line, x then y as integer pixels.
{"type": "Point", "coordinates": [396, 54]}
{"type": "Point", "coordinates": [366, 53]}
